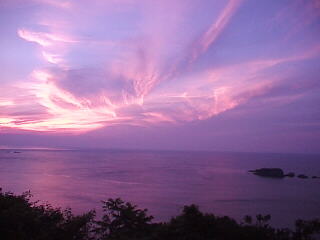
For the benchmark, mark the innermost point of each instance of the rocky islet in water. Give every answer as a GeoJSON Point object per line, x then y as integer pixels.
{"type": "Point", "coordinates": [278, 173]}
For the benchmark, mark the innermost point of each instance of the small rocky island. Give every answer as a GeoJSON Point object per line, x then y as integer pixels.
{"type": "Point", "coordinates": [277, 173]}
{"type": "Point", "coordinates": [269, 172]}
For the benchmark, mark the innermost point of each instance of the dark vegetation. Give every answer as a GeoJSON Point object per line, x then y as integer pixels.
{"type": "Point", "coordinates": [22, 219]}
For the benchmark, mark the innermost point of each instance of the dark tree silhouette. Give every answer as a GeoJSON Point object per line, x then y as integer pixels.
{"type": "Point", "coordinates": [22, 219]}
{"type": "Point", "coordinates": [122, 220]}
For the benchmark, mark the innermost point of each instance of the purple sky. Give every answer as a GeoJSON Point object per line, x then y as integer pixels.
{"type": "Point", "coordinates": [229, 75]}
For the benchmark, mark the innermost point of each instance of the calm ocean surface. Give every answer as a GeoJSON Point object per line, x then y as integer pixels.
{"type": "Point", "coordinates": [165, 181]}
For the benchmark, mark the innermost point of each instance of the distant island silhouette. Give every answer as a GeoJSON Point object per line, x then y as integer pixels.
{"type": "Point", "coordinates": [277, 173]}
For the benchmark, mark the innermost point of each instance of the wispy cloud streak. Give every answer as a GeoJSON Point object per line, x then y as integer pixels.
{"type": "Point", "coordinates": [129, 62]}
{"type": "Point", "coordinates": [210, 36]}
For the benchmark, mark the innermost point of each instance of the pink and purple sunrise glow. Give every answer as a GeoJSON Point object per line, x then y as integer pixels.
{"type": "Point", "coordinates": [239, 75]}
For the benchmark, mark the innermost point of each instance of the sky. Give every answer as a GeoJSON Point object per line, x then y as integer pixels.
{"type": "Point", "coordinates": [216, 75]}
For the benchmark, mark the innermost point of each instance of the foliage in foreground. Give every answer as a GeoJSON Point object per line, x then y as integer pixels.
{"type": "Point", "coordinates": [22, 219]}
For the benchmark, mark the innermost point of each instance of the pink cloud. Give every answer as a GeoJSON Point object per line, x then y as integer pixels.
{"type": "Point", "coordinates": [52, 58]}
{"type": "Point", "coordinates": [210, 36]}
{"type": "Point", "coordinates": [86, 83]}
{"type": "Point", "coordinates": [57, 3]}
{"type": "Point", "coordinates": [44, 39]}
{"type": "Point", "coordinates": [5, 102]}
{"type": "Point", "coordinates": [226, 88]}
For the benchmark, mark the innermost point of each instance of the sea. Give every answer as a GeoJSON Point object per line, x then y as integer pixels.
{"type": "Point", "coordinates": [165, 181]}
